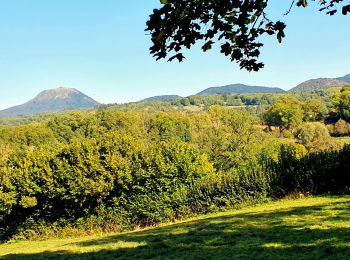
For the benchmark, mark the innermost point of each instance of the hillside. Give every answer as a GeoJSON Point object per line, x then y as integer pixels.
{"type": "Point", "coordinates": [239, 89]}
{"type": "Point", "coordinates": [316, 84]}
{"type": "Point", "coordinates": [52, 100]}
{"type": "Point", "coordinates": [346, 78]}
{"type": "Point", "coordinates": [308, 228]}
{"type": "Point", "coordinates": [161, 98]}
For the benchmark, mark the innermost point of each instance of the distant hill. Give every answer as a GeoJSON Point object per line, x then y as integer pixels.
{"type": "Point", "coordinates": [316, 84]}
{"type": "Point", "coordinates": [239, 89]}
{"type": "Point", "coordinates": [161, 98]}
{"type": "Point", "coordinates": [52, 100]}
{"type": "Point", "coordinates": [346, 78]}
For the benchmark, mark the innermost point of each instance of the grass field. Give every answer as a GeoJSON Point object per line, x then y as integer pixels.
{"type": "Point", "coordinates": [307, 228]}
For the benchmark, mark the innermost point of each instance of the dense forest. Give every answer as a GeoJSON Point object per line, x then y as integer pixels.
{"type": "Point", "coordinates": [118, 167]}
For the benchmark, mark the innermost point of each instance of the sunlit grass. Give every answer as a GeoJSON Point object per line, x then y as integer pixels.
{"type": "Point", "coordinates": [307, 228]}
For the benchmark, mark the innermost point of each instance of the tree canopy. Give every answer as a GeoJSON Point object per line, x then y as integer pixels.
{"type": "Point", "coordinates": [285, 113]}
{"type": "Point", "coordinates": [341, 103]}
{"type": "Point", "coordinates": [235, 25]}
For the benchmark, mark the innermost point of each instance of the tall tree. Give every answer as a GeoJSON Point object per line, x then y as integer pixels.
{"type": "Point", "coordinates": [236, 25]}
{"type": "Point", "coordinates": [285, 113]}
{"type": "Point", "coordinates": [341, 103]}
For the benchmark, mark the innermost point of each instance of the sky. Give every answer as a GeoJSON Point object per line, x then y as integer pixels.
{"type": "Point", "coordinates": [101, 48]}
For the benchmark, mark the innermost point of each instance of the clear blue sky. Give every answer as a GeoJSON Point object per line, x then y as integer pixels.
{"type": "Point", "coordinates": [100, 48]}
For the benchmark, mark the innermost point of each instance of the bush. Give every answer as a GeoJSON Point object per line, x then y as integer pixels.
{"type": "Point", "coordinates": [314, 136]}
{"type": "Point", "coordinates": [74, 182]}
{"type": "Point", "coordinates": [314, 173]}
{"type": "Point", "coordinates": [341, 128]}
{"type": "Point", "coordinates": [287, 134]}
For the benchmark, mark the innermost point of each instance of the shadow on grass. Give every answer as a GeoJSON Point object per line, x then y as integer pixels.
{"type": "Point", "coordinates": [298, 233]}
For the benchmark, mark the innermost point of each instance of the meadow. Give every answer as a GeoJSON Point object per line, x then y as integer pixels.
{"type": "Point", "coordinates": [304, 228]}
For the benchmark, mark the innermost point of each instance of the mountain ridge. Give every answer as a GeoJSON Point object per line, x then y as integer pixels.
{"type": "Point", "coordinates": [61, 98]}
{"type": "Point", "coordinates": [51, 100]}
{"type": "Point", "coordinates": [161, 98]}
{"type": "Point", "coordinates": [318, 84]}
{"type": "Point", "coordinates": [239, 89]}
{"type": "Point", "coordinates": [346, 78]}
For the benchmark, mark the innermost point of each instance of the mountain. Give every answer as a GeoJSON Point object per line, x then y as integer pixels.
{"type": "Point", "coordinates": [320, 83]}
{"type": "Point", "coordinates": [52, 100]}
{"type": "Point", "coordinates": [239, 89]}
{"type": "Point", "coordinates": [161, 98]}
{"type": "Point", "coordinates": [346, 78]}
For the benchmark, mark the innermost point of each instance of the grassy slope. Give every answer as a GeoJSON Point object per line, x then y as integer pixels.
{"type": "Point", "coordinates": [315, 228]}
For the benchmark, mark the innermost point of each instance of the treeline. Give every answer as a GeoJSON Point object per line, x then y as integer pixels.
{"type": "Point", "coordinates": [227, 100]}
{"type": "Point", "coordinates": [111, 170]}
{"type": "Point", "coordinates": [288, 113]}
